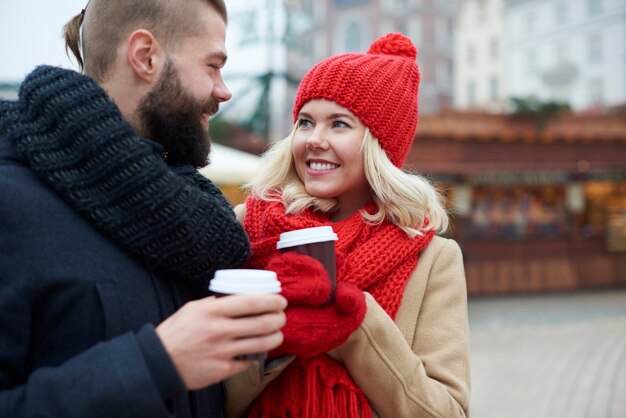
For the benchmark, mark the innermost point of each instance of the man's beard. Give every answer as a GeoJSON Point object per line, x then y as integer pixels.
{"type": "Point", "coordinates": [170, 115]}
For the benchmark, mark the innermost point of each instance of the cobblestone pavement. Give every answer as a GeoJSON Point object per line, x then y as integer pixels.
{"type": "Point", "coordinates": [549, 356]}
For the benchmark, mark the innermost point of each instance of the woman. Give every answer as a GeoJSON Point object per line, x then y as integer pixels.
{"type": "Point", "coordinates": [401, 350]}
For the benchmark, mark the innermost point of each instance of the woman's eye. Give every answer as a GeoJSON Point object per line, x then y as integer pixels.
{"type": "Point", "coordinates": [340, 124]}
{"type": "Point", "coordinates": [304, 123]}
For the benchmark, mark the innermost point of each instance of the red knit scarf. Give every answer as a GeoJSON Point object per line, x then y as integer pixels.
{"type": "Point", "coordinates": [379, 259]}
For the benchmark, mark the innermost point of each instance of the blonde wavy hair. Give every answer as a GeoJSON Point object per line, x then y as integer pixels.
{"type": "Point", "coordinates": [406, 199]}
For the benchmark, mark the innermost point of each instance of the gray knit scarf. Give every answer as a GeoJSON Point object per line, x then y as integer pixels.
{"type": "Point", "coordinates": [74, 137]}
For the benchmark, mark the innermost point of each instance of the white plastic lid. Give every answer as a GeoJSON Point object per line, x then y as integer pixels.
{"type": "Point", "coordinates": [244, 282]}
{"type": "Point", "coordinates": [306, 236]}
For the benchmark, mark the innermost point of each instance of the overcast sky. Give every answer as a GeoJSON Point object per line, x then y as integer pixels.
{"type": "Point", "coordinates": [31, 34]}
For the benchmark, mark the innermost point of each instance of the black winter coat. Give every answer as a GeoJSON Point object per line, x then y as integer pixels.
{"type": "Point", "coordinates": [77, 315]}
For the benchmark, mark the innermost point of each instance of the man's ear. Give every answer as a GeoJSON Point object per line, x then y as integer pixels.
{"type": "Point", "coordinates": [145, 55]}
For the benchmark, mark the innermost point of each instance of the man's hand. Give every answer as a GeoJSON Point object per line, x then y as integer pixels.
{"type": "Point", "coordinates": [204, 336]}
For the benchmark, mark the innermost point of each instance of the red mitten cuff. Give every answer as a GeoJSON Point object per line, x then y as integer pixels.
{"type": "Point", "coordinates": [316, 330]}
{"type": "Point", "coordinates": [303, 279]}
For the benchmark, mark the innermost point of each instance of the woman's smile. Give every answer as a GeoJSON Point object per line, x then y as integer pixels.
{"type": "Point", "coordinates": [320, 167]}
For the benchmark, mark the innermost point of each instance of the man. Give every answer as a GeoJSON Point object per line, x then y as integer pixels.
{"type": "Point", "coordinates": [108, 239]}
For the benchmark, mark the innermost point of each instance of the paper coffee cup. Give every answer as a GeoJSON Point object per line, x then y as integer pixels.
{"type": "Point", "coordinates": [245, 282]}
{"type": "Point", "coordinates": [317, 242]}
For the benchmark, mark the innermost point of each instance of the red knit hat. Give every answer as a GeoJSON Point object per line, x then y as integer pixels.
{"type": "Point", "coordinates": [380, 87]}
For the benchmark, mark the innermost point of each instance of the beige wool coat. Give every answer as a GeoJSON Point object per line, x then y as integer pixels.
{"type": "Point", "coordinates": [416, 366]}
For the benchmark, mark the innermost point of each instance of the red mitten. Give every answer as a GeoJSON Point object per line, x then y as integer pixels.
{"type": "Point", "coordinates": [303, 279]}
{"type": "Point", "coordinates": [316, 330]}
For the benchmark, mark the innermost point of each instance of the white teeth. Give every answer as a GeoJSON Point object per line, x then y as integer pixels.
{"type": "Point", "coordinates": [322, 166]}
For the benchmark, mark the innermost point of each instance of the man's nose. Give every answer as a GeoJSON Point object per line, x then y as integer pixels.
{"type": "Point", "coordinates": [221, 93]}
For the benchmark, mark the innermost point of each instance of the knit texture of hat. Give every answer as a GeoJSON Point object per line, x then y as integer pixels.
{"type": "Point", "coordinates": [380, 87]}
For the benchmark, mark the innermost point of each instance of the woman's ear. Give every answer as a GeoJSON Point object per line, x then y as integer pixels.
{"type": "Point", "coordinates": [145, 55]}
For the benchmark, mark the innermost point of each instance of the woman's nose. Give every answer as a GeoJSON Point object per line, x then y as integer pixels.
{"type": "Point", "coordinates": [316, 140]}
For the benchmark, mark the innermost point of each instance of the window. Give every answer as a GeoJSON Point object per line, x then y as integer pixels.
{"type": "Point", "coordinates": [441, 34]}
{"type": "Point", "coordinates": [530, 22]}
{"type": "Point", "coordinates": [494, 86]}
{"type": "Point", "coordinates": [385, 26]}
{"type": "Point", "coordinates": [450, 34]}
{"type": "Point", "coordinates": [353, 37]}
{"type": "Point", "coordinates": [307, 7]}
{"type": "Point", "coordinates": [306, 46]}
{"type": "Point", "coordinates": [604, 199]}
{"type": "Point", "coordinates": [595, 48]}
{"type": "Point", "coordinates": [594, 7]}
{"type": "Point", "coordinates": [482, 12]}
{"type": "Point", "coordinates": [320, 47]}
{"type": "Point", "coordinates": [443, 76]}
{"type": "Point", "coordinates": [561, 13]}
{"type": "Point", "coordinates": [471, 55]}
{"type": "Point", "coordinates": [562, 52]}
{"type": "Point", "coordinates": [350, 2]}
{"type": "Point", "coordinates": [415, 31]}
{"type": "Point", "coordinates": [397, 6]}
{"type": "Point", "coordinates": [518, 210]}
{"type": "Point", "coordinates": [250, 22]}
{"type": "Point", "coordinates": [596, 91]}
{"type": "Point", "coordinates": [401, 27]}
{"type": "Point", "coordinates": [531, 62]}
{"type": "Point", "coordinates": [471, 93]}
{"type": "Point", "coordinates": [493, 49]}
{"type": "Point", "coordinates": [386, 4]}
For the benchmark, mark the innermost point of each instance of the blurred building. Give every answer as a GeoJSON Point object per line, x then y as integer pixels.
{"type": "Point", "coordinates": [537, 205]}
{"type": "Point", "coordinates": [568, 50]}
{"type": "Point", "coordinates": [8, 91]}
{"type": "Point", "coordinates": [571, 51]}
{"type": "Point", "coordinates": [321, 28]}
{"type": "Point", "coordinates": [539, 201]}
{"type": "Point", "coordinates": [480, 68]}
